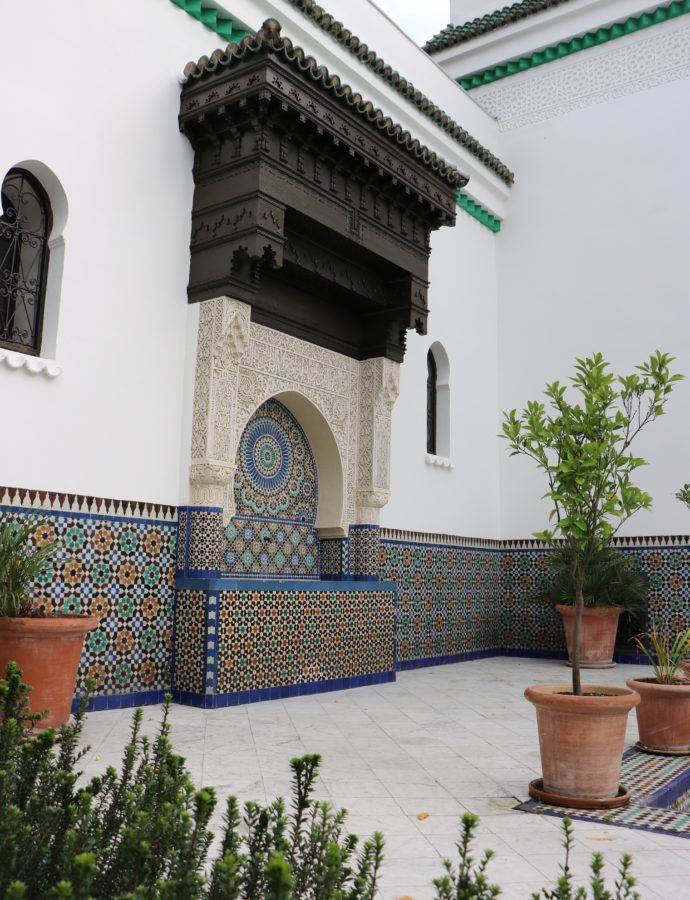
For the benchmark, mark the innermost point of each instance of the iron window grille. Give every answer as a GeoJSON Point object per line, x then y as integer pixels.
{"type": "Point", "coordinates": [25, 225]}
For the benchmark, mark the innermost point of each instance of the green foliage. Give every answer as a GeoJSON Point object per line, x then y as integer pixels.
{"type": "Point", "coordinates": [565, 888]}
{"type": "Point", "coordinates": [684, 494]}
{"type": "Point", "coordinates": [143, 832]}
{"type": "Point", "coordinates": [583, 448]}
{"type": "Point", "coordinates": [470, 880]}
{"type": "Point", "coordinates": [609, 580]}
{"type": "Point", "coordinates": [20, 563]}
{"type": "Point", "coordinates": [665, 655]}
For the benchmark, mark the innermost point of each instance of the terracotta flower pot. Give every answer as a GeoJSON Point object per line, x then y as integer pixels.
{"type": "Point", "coordinates": [597, 634]}
{"type": "Point", "coordinates": [663, 716]}
{"type": "Point", "coordinates": [581, 740]}
{"type": "Point", "coordinates": [47, 650]}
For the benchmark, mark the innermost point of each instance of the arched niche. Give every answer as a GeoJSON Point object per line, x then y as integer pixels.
{"type": "Point", "coordinates": [329, 467]}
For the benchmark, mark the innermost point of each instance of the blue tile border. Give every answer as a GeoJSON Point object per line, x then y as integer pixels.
{"type": "Point", "coordinates": [427, 661]}
{"type": "Point", "coordinates": [528, 653]}
{"type": "Point", "coordinates": [217, 582]}
{"type": "Point", "coordinates": [280, 692]}
{"type": "Point", "coordinates": [121, 701]}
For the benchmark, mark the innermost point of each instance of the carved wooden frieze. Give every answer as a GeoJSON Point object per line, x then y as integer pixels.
{"type": "Point", "coordinates": [309, 204]}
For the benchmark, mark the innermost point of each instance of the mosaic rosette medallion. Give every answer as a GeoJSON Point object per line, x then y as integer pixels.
{"type": "Point", "coordinates": [276, 497]}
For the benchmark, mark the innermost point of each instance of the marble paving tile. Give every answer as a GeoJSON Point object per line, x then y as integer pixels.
{"type": "Point", "coordinates": [441, 741]}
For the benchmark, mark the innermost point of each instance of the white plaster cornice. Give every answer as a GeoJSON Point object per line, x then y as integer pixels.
{"type": "Point", "coordinates": [626, 66]}
{"type": "Point", "coordinates": [34, 365]}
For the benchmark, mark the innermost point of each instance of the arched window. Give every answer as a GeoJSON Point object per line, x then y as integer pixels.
{"type": "Point", "coordinates": [431, 376]}
{"type": "Point", "coordinates": [438, 402]}
{"type": "Point", "coordinates": [25, 226]}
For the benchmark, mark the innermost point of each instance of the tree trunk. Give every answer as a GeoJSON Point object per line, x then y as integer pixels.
{"type": "Point", "coordinates": [577, 623]}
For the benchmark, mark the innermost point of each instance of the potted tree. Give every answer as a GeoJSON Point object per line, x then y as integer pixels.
{"type": "Point", "coordinates": [663, 715]}
{"type": "Point", "coordinates": [610, 588]}
{"type": "Point", "coordinates": [47, 648]}
{"type": "Point", "coordinates": [583, 448]}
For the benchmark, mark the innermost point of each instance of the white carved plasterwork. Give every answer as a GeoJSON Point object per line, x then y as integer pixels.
{"type": "Point", "coordinates": [379, 389]}
{"type": "Point", "coordinates": [277, 362]}
{"type": "Point", "coordinates": [240, 365]}
{"type": "Point", "coordinates": [222, 342]}
{"type": "Point", "coordinates": [625, 66]}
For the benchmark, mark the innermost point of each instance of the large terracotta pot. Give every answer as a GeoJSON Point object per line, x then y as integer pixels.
{"type": "Point", "coordinates": [47, 650]}
{"type": "Point", "coordinates": [663, 716]}
{"type": "Point", "coordinates": [581, 740]}
{"type": "Point", "coordinates": [597, 634]}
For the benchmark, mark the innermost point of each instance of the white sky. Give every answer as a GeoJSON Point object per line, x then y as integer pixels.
{"type": "Point", "coordinates": [420, 19]}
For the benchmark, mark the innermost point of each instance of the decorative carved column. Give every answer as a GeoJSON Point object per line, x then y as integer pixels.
{"type": "Point", "coordinates": [379, 389]}
{"type": "Point", "coordinates": [222, 342]}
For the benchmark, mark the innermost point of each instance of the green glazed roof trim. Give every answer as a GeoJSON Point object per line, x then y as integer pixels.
{"type": "Point", "coordinates": [460, 34]}
{"type": "Point", "coordinates": [477, 211]}
{"type": "Point", "coordinates": [575, 45]}
{"type": "Point", "coordinates": [270, 38]}
{"type": "Point", "coordinates": [213, 19]}
{"type": "Point", "coordinates": [361, 50]}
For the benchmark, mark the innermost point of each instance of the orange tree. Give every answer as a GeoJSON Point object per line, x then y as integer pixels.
{"type": "Point", "coordinates": [583, 447]}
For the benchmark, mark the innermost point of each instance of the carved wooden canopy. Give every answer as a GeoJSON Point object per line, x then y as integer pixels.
{"type": "Point", "coordinates": [309, 204]}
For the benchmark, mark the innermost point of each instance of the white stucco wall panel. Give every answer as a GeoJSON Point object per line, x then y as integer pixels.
{"type": "Point", "coordinates": [462, 302]}
{"type": "Point", "coordinates": [592, 257]}
{"type": "Point", "coordinates": [99, 105]}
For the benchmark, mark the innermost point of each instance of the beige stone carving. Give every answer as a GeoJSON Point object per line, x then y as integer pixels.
{"type": "Point", "coordinates": [343, 405]}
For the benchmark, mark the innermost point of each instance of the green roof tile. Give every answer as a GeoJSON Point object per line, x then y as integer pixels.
{"type": "Point", "coordinates": [370, 58]}
{"type": "Point", "coordinates": [460, 34]}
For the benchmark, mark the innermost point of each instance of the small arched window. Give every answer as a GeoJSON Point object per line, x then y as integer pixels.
{"type": "Point", "coordinates": [431, 376]}
{"type": "Point", "coordinates": [25, 226]}
{"type": "Point", "coordinates": [438, 402]}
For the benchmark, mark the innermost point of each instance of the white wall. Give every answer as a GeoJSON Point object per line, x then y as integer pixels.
{"type": "Point", "coordinates": [98, 104]}
{"type": "Point", "coordinates": [462, 304]}
{"type": "Point", "coordinates": [593, 256]}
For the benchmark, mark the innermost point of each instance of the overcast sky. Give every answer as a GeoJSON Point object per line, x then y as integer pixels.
{"type": "Point", "coordinates": [421, 19]}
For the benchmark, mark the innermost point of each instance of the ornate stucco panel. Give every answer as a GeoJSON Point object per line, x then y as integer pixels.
{"type": "Point", "coordinates": [379, 389]}
{"type": "Point", "coordinates": [241, 364]}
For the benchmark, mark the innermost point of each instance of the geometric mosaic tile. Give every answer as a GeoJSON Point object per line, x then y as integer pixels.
{"type": "Point", "coordinates": [190, 656]}
{"type": "Point", "coordinates": [449, 599]}
{"type": "Point", "coordinates": [275, 476]}
{"type": "Point", "coordinates": [264, 547]}
{"type": "Point", "coordinates": [645, 775]}
{"type": "Point", "coordinates": [273, 638]}
{"type": "Point", "coordinates": [276, 495]}
{"type": "Point", "coordinates": [364, 550]}
{"type": "Point", "coordinates": [122, 571]}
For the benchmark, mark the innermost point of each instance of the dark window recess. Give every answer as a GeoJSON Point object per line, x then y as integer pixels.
{"type": "Point", "coordinates": [430, 403]}
{"type": "Point", "coordinates": [24, 228]}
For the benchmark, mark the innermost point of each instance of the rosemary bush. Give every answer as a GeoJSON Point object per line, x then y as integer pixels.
{"type": "Point", "coordinates": [143, 832]}
{"type": "Point", "coordinates": [470, 881]}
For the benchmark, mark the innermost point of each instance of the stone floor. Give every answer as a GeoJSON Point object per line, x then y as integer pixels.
{"type": "Point", "coordinates": [439, 741]}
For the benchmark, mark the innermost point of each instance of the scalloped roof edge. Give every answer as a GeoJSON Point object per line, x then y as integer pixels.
{"type": "Point", "coordinates": [452, 35]}
{"type": "Point", "coordinates": [269, 37]}
{"type": "Point", "coordinates": [370, 58]}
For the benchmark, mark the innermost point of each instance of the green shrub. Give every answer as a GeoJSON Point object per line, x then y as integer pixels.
{"type": "Point", "coordinates": [143, 832]}
{"type": "Point", "coordinates": [470, 881]}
